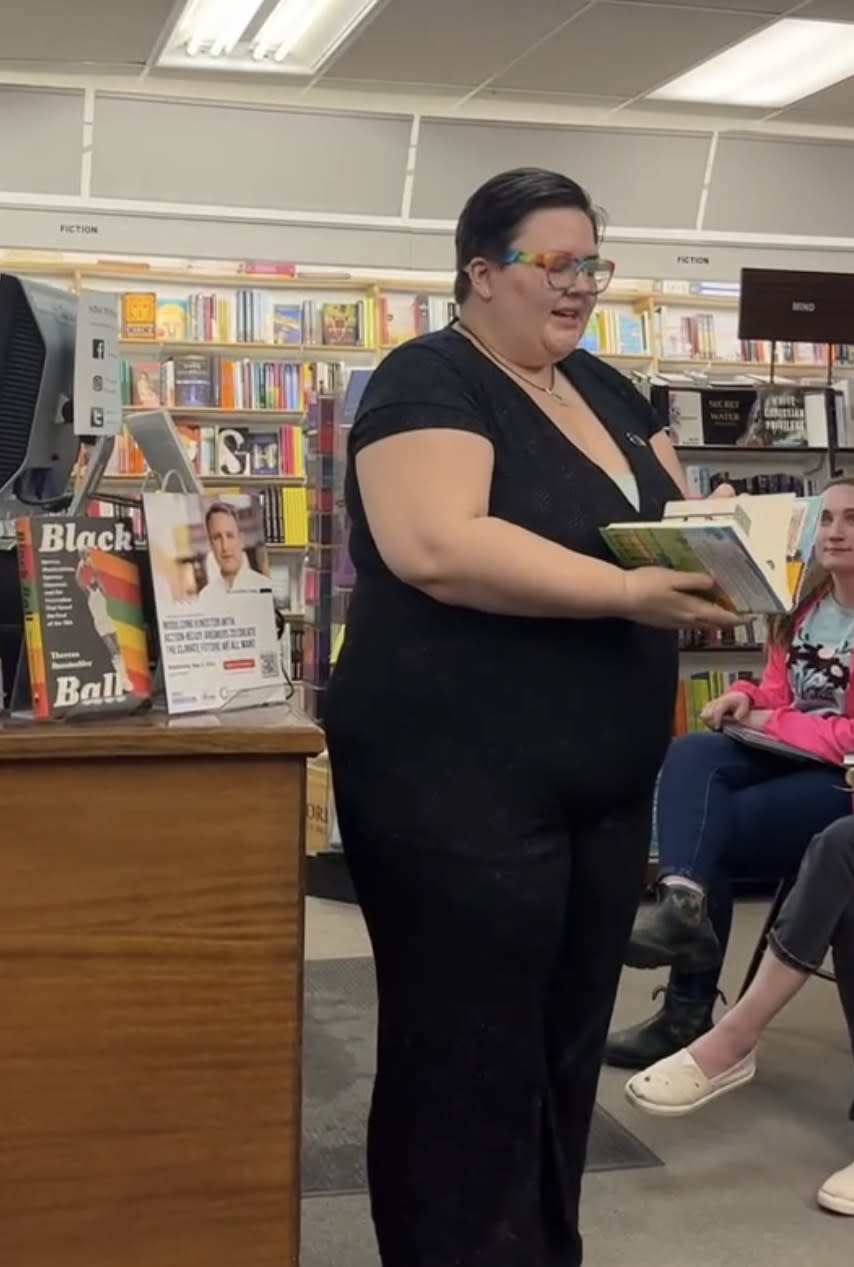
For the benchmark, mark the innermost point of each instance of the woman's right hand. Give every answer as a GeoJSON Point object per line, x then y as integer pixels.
{"type": "Point", "coordinates": [733, 706]}
{"type": "Point", "coordinates": [673, 600]}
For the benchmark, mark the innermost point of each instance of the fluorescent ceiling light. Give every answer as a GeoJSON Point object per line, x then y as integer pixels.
{"type": "Point", "coordinates": [213, 27]}
{"type": "Point", "coordinates": [284, 36]}
{"type": "Point", "coordinates": [785, 62]}
{"type": "Point", "coordinates": [307, 32]}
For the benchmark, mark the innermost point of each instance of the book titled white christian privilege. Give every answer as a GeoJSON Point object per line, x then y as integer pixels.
{"type": "Point", "coordinates": [757, 548]}
{"type": "Point", "coordinates": [213, 594]}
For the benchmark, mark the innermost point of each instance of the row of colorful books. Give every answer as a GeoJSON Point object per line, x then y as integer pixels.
{"type": "Point", "coordinates": [199, 381]}
{"type": "Point", "coordinates": [284, 513]}
{"type": "Point", "coordinates": [695, 691]}
{"type": "Point", "coordinates": [245, 315]}
{"type": "Point", "coordinates": [221, 451]}
{"type": "Point", "coordinates": [713, 336]}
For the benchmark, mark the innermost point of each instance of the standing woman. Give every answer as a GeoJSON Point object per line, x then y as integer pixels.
{"type": "Point", "coordinates": [494, 802]}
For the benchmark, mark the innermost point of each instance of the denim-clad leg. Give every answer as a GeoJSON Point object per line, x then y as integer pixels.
{"type": "Point", "coordinates": [724, 811]}
{"type": "Point", "coordinates": [697, 800]}
{"type": "Point", "coordinates": [823, 893]}
{"type": "Point", "coordinates": [757, 819]}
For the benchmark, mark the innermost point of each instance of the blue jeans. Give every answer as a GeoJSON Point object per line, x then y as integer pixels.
{"type": "Point", "coordinates": [724, 812]}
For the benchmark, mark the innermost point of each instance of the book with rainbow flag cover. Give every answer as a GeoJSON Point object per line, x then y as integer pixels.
{"type": "Point", "coordinates": [86, 646]}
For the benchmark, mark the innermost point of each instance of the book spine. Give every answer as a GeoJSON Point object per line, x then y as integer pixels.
{"type": "Point", "coordinates": [33, 634]}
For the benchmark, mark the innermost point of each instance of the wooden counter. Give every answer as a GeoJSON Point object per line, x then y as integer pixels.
{"type": "Point", "coordinates": [151, 946]}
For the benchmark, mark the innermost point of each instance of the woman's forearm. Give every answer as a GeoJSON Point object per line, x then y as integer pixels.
{"type": "Point", "coordinates": [495, 566]}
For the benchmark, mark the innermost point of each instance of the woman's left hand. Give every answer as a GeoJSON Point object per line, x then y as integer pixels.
{"type": "Point", "coordinates": [757, 718]}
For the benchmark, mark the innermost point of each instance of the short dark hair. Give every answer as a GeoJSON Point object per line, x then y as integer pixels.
{"type": "Point", "coordinates": [489, 220]}
{"type": "Point", "coordinates": [221, 508]}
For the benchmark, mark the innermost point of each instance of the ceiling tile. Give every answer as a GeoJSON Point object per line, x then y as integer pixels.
{"type": "Point", "coordinates": [378, 87]}
{"type": "Point", "coordinates": [545, 99]}
{"type": "Point", "coordinates": [697, 110]}
{"type": "Point", "coordinates": [833, 105]}
{"type": "Point", "coordinates": [454, 42]}
{"type": "Point", "coordinates": [75, 31]}
{"type": "Point", "coordinates": [626, 49]}
{"type": "Point", "coordinates": [770, 7]}
{"type": "Point", "coordinates": [830, 10]}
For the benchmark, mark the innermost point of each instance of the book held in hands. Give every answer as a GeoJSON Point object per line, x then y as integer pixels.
{"type": "Point", "coordinates": [757, 549]}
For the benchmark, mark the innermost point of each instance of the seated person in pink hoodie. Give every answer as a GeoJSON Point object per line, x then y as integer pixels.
{"type": "Point", "coordinates": [725, 810]}
{"type": "Point", "coordinates": [817, 916]}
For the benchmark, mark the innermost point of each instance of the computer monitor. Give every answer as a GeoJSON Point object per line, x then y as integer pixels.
{"type": "Point", "coordinates": [38, 446]}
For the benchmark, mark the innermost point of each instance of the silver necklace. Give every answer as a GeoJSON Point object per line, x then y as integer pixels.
{"type": "Point", "coordinates": [540, 387]}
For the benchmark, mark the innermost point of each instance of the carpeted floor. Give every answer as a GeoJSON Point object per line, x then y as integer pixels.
{"type": "Point", "coordinates": [338, 1063]}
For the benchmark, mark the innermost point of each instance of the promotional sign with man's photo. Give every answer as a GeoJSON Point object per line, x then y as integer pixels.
{"type": "Point", "coordinates": [215, 611]}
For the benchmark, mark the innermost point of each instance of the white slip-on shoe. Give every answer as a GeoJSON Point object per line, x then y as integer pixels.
{"type": "Point", "coordinates": [837, 1192]}
{"type": "Point", "coordinates": [677, 1086]}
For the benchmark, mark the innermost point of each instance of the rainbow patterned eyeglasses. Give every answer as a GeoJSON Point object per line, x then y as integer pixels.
{"type": "Point", "coordinates": [563, 270]}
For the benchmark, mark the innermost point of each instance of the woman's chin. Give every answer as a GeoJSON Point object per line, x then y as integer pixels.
{"type": "Point", "coordinates": [561, 342]}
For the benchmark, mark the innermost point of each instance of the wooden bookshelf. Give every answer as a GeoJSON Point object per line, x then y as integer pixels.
{"type": "Point", "coordinates": [213, 412]}
{"type": "Point", "coordinates": [243, 350]}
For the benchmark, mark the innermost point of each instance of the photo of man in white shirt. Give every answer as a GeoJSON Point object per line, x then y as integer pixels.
{"type": "Point", "coordinates": [228, 568]}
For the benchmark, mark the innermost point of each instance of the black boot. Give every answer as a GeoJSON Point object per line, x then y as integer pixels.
{"type": "Point", "coordinates": [676, 933]}
{"type": "Point", "coordinates": [675, 1025]}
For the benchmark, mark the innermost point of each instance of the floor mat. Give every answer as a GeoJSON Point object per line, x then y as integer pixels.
{"type": "Point", "coordinates": [338, 1064]}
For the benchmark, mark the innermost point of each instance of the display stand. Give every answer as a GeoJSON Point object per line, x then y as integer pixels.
{"type": "Point", "coordinates": [154, 432]}
{"type": "Point", "coordinates": [795, 306]}
{"type": "Point", "coordinates": [151, 932]}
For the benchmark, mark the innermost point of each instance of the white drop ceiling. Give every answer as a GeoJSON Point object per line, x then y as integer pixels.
{"type": "Point", "coordinates": [600, 55]}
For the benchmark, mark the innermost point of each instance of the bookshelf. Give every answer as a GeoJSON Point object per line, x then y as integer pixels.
{"type": "Point", "coordinates": [642, 324]}
{"type": "Point", "coordinates": [240, 355]}
{"type": "Point", "coordinates": [320, 466]}
{"type": "Point", "coordinates": [297, 335]}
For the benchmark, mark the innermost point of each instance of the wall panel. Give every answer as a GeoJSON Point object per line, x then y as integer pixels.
{"type": "Point", "coordinates": [41, 140]}
{"type": "Point", "coordinates": [642, 179]}
{"type": "Point", "coordinates": [784, 186]}
{"type": "Point", "coordinates": [248, 156]}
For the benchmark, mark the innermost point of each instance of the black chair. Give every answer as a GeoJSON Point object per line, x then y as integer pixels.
{"type": "Point", "coordinates": [783, 890]}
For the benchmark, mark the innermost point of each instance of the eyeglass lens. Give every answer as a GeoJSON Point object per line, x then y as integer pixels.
{"type": "Point", "coordinates": [564, 271]}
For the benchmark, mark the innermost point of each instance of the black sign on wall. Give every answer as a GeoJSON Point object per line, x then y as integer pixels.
{"type": "Point", "coordinates": [788, 306]}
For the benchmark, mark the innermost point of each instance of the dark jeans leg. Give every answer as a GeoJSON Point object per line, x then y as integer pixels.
{"type": "Point", "coordinates": [496, 979]}
{"type": "Point", "coordinates": [772, 825]}
{"type": "Point", "coordinates": [843, 967]}
{"type": "Point", "coordinates": [823, 891]}
{"type": "Point", "coordinates": [695, 808]}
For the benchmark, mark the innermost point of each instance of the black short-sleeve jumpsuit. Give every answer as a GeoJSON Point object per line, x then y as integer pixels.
{"type": "Point", "coordinates": [493, 778]}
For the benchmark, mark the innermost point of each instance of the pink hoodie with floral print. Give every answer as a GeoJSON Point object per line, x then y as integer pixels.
{"type": "Point", "coordinates": [829, 737]}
